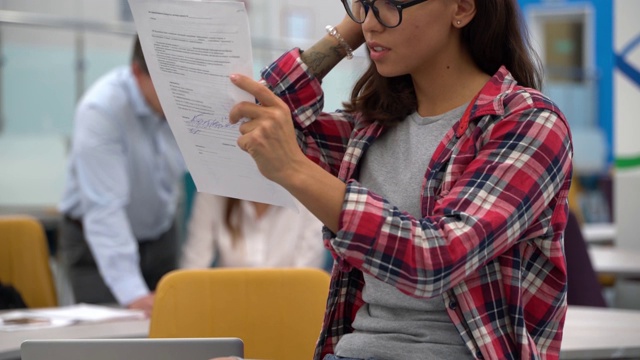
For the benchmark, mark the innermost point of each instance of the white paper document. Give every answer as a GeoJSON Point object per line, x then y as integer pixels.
{"type": "Point", "coordinates": [191, 48]}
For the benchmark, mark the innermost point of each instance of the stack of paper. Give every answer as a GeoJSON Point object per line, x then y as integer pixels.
{"type": "Point", "coordinates": [62, 316]}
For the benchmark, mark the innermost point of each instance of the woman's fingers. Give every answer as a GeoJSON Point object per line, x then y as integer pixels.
{"type": "Point", "coordinates": [258, 90]}
{"type": "Point", "coordinates": [269, 135]}
{"type": "Point", "coordinates": [243, 143]}
{"type": "Point", "coordinates": [245, 110]}
{"type": "Point", "coordinates": [265, 97]}
{"type": "Point", "coordinates": [271, 109]}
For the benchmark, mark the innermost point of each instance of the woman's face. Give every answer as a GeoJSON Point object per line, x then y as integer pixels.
{"type": "Point", "coordinates": [425, 40]}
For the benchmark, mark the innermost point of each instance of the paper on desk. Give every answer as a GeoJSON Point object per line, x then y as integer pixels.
{"type": "Point", "coordinates": [22, 320]}
{"type": "Point", "coordinates": [191, 48]}
{"type": "Point", "coordinates": [25, 319]}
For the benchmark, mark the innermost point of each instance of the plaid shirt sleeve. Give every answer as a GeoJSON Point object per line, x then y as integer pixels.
{"type": "Point", "coordinates": [323, 137]}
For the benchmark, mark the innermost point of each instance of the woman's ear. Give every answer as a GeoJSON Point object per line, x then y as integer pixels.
{"type": "Point", "coordinates": [465, 11]}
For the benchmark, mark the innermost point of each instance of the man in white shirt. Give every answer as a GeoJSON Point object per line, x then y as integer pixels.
{"type": "Point", "coordinates": [118, 234]}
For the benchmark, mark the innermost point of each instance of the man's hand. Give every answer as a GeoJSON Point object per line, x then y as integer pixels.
{"type": "Point", "coordinates": [144, 303]}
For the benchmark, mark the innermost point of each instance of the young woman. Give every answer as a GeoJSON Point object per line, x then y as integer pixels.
{"type": "Point", "coordinates": [442, 185]}
{"type": "Point", "coordinates": [238, 233]}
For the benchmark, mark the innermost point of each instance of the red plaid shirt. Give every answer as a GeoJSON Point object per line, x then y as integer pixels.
{"type": "Point", "coordinates": [494, 207]}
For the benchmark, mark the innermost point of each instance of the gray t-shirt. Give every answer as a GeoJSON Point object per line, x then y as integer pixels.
{"type": "Point", "coordinates": [391, 324]}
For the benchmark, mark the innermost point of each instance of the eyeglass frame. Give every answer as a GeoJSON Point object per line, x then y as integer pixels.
{"type": "Point", "coordinates": [371, 4]}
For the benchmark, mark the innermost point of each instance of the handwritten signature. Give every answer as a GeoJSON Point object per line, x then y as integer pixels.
{"type": "Point", "coordinates": [201, 121]}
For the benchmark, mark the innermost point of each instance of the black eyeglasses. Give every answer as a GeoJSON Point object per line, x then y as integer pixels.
{"type": "Point", "coordinates": [389, 14]}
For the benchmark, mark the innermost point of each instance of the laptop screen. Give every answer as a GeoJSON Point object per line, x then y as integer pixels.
{"type": "Point", "coordinates": [135, 349]}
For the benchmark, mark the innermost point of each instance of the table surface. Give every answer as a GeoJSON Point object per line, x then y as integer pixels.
{"type": "Point", "coordinates": [588, 333]}
{"type": "Point", "coordinates": [10, 340]}
{"type": "Point", "coordinates": [594, 233]}
{"type": "Point", "coordinates": [594, 333]}
{"type": "Point", "coordinates": [615, 261]}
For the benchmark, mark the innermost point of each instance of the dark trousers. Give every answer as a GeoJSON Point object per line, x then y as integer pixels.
{"type": "Point", "coordinates": [157, 257]}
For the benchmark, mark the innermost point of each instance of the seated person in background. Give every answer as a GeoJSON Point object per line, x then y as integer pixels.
{"type": "Point", "coordinates": [118, 235]}
{"type": "Point", "coordinates": [240, 233]}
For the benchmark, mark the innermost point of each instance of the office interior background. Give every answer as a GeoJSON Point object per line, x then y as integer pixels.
{"type": "Point", "coordinates": [50, 52]}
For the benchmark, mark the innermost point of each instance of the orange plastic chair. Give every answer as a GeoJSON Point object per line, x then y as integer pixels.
{"type": "Point", "coordinates": [277, 313]}
{"type": "Point", "coordinates": [24, 260]}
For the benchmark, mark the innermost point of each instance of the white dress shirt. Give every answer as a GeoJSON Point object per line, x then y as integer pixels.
{"type": "Point", "coordinates": [281, 237]}
{"type": "Point", "coordinates": [123, 178]}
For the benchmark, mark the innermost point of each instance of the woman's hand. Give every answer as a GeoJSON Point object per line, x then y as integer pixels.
{"type": "Point", "coordinates": [268, 135]}
{"type": "Point", "coordinates": [270, 138]}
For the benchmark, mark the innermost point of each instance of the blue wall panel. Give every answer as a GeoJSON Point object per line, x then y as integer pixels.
{"type": "Point", "coordinates": [603, 57]}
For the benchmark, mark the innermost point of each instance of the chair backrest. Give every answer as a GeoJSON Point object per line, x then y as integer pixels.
{"type": "Point", "coordinates": [278, 313]}
{"type": "Point", "coordinates": [24, 260]}
{"type": "Point", "coordinates": [583, 287]}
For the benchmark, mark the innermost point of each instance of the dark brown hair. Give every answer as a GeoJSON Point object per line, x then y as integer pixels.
{"type": "Point", "coordinates": [232, 205]}
{"type": "Point", "coordinates": [496, 36]}
{"type": "Point", "coordinates": [138, 57]}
